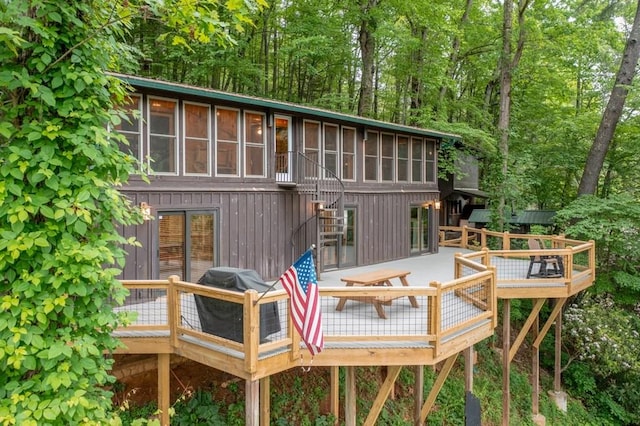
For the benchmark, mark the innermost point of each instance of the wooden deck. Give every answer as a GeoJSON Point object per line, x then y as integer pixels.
{"type": "Point", "coordinates": [450, 317]}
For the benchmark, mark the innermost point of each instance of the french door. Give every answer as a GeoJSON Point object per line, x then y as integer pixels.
{"type": "Point", "coordinates": [342, 251]}
{"type": "Point", "coordinates": [419, 229]}
{"type": "Point", "coordinates": [187, 244]}
{"type": "Point", "coordinates": [283, 148]}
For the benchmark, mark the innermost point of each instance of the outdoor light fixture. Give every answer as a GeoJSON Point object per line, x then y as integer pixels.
{"type": "Point", "coordinates": [146, 211]}
{"type": "Point", "coordinates": [437, 204]}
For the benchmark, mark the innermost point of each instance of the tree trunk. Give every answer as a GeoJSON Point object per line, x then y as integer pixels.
{"type": "Point", "coordinates": [507, 65]}
{"type": "Point", "coordinates": [367, 51]}
{"type": "Point", "coordinates": [505, 104]}
{"type": "Point", "coordinates": [611, 116]}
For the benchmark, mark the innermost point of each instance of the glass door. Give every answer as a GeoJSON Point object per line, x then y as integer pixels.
{"type": "Point", "coordinates": [342, 251]}
{"type": "Point", "coordinates": [419, 229]}
{"type": "Point", "coordinates": [186, 244]}
{"type": "Point", "coordinates": [283, 149]}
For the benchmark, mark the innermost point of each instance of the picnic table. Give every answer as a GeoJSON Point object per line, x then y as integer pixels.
{"type": "Point", "coordinates": [380, 278]}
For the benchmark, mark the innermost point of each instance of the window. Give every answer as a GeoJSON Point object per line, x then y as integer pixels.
{"type": "Point", "coordinates": [254, 137]}
{"type": "Point", "coordinates": [187, 244]}
{"type": "Point", "coordinates": [312, 147]}
{"type": "Point", "coordinates": [331, 148]}
{"type": "Point", "coordinates": [162, 136]}
{"type": "Point", "coordinates": [196, 139]}
{"type": "Point", "coordinates": [371, 157]}
{"type": "Point", "coordinates": [348, 153]}
{"type": "Point", "coordinates": [387, 160]}
{"type": "Point", "coordinates": [430, 160]}
{"type": "Point", "coordinates": [403, 159]}
{"type": "Point", "coordinates": [416, 160]}
{"type": "Point", "coordinates": [131, 129]}
{"type": "Point", "coordinates": [227, 142]}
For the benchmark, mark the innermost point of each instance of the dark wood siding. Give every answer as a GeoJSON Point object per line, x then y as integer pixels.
{"type": "Point", "coordinates": [256, 229]}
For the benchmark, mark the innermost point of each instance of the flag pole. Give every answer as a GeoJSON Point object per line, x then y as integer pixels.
{"type": "Point", "coordinates": [312, 247]}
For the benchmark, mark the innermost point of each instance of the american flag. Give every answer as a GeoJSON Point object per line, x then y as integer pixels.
{"type": "Point", "coordinates": [302, 285]}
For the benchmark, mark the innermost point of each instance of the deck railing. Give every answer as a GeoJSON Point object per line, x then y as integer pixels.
{"type": "Point", "coordinates": [254, 337]}
{"type": "Point", "coordinates": [516, 275]}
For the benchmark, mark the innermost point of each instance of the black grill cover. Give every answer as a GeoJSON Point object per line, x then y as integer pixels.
{"type": "Point", "coordinates": [223, 318]}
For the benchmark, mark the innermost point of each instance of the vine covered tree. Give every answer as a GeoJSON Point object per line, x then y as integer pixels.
{"type": "Point", "coordinates": [60, 208]}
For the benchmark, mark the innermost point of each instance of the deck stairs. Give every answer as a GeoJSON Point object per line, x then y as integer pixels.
{"type": "Point", "coordinates": [326, 193]}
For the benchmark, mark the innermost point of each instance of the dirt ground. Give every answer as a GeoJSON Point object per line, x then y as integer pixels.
{"type": "Point", "coordinates": [137, 380]}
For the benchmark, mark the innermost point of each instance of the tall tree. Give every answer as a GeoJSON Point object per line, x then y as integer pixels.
{"type": "Point", "coordinates": [624, 78]}
{"type": "Point", "coordinates": [60, 207]}
{"type": "Point", "coordinates": [508, 63]}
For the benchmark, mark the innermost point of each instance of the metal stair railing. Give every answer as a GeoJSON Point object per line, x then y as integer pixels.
{"type": "Point", "coordinates": [327, 192]}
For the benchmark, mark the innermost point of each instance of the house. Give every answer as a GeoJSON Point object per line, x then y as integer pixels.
{"type": "Point", "coordinates": [251, 183]}
{"type": "Point", "coordinates": [519, 221]}
{"type": "Point", "coordinates": [460, 191]}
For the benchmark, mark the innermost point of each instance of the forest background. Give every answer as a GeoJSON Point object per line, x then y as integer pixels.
{"type": "Point", "coordinates": [528, 84]}
{"type": "Point", "coordinates": [525, 83]}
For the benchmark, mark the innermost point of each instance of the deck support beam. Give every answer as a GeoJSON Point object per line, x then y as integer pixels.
{"type": "Point", "coordinates": [437, 385]}
{"type": "Point", "coordinates": [383, 395]}
{"type": "Point", "coordinates": [265, 401]}
{"type": "Point", "coordinates": [164, 387]}
{"type": "Point", "coordinates": [252, 402]}
{"type": "Point", "coordinates": [506, 363]}
{"type": "Point", "coordinates": [468, 369]}
{"type": "Point", "coordinates": [350, 396]}
{"type": "Point", "coordinates": [418, 394]}
{"type": "Point", "coordinates": [334, 403]}
{"type": "Point", "coordinates": [533, 317]}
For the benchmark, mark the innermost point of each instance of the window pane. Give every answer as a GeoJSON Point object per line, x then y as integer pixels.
{"type": "Point", "coordinates": [331, 138]}
{"type": "Point", "coordinates": [387, 157]}
{"type": "Point", "coordinates": [227, 144]}
{"type": "Point", "coordinates": [172, 246]}
{"type": "Point", "coordinates": [331, 148]}
{"type": "Point", "coordinates": [348, 153]}
{"type": "Point", "coordinates": [254, 144]}
{"type": "Point", "coordinates": [255, 161]}
{"type": "Point", "coordinates": [311, 147]}
{"type": "Point", "coordinates": [162, 150]}
{"type": "Point", "coordinates": [201, 255]}
{"type": "Point", "coordinates": [416, 160]}
{"type": "Point", "coordinates": [227, 158]}
{"type": "Point", "coordinates": [196, 144]}
{"type": "Point", "coordinates": [227, 124]}
{"type": "Point", "coordinates": [430, 161]}
{"type": "Point", "coordinates": [403, 159]}
{"type": "Point", "coordinates": [196, 156]}
{"type": "Point", "coordinates": [162, 136]}
{"type": "Point", "coordinates": [371, 156]}
{"type": "Point", "coordinates": [254, 129]}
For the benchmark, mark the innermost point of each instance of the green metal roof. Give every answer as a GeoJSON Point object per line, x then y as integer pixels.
{"type": "Point", "coordinates": [524, 217]}
{"type": "Point", "coordinates": [147, 83]}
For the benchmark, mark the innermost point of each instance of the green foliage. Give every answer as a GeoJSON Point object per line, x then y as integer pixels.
{"type": "Point", "coordinates": [614, 224]}
{"type": "Point", "coordinates": [60, 208]}
{"type": "Point", "coordinates": [606, 372]}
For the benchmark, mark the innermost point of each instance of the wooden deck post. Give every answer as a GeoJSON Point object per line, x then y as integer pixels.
{"type": "Point", "coordinates": [164, 387]}
{"type": "Point", "coordinates": [252, 402]}
{"type": "Point", "coordinates": [265, 401]}
{"type": "Point", "coordinates": [506, 364]}
{"type": "Point", "coordinates": [468, 369]}
{"type": "Point", "coordinates": [557, 385]}
{"type": "Point", "coordinates": [535, 371]}
{"type": "Point", "coordinates": [418, 392]}
{"type": "Point", "coordinates": [350, 396]}
{"type": "Point", "coordinates": [334, 403]}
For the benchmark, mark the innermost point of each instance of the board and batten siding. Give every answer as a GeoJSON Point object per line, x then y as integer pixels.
{"type": "Point", "coordinates": [254, 228]}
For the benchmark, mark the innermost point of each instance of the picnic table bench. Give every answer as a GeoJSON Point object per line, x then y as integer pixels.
{"type": "Point", "coordinates": [381, 278]}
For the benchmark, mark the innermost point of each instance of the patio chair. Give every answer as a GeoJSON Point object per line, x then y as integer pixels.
{"type": "Point", "coordinates": [550, 266]}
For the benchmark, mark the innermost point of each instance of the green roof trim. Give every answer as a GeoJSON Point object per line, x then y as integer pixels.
{"type": "Point", "coordinates": [524, 217]}
{"type": "Point", "coordinates": [185, 89]}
